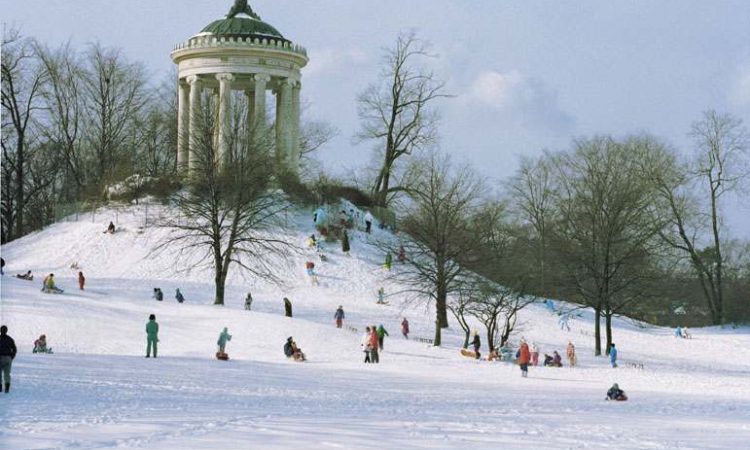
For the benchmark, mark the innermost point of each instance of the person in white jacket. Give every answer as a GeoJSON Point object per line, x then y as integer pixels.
{"type": "Point", "coordinates": [368, 222]}
{"type": "Point", "coordinates": [366, 344]}
{"type": "Point", "coordinates": [534, 354]}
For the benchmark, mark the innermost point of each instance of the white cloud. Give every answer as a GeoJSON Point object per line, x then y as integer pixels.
{"type": "Point", "coordinates": [328, 60]}
{"type": "Point", "coordinates": [525, 100]}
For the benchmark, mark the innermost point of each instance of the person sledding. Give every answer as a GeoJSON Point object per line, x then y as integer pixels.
{"type": "Point", "coordinates": [40, 345]}
{"type": "Point", "coordinates": [158, 295]}
{"type": "Point", "coordinates": [49, 286]}
{"type": "Point", "coordinates": [292, 351]}
{"type": "Point", "coordinates": [25, 276]}
{"type": "Point", "coordinates": [110, 228]}
{"type": "Point", "coordinates": [616, 394]}
{"type": "Point", "coordinates": [312, 242]}
{"type": "Point", "coordinates": [224, 337]}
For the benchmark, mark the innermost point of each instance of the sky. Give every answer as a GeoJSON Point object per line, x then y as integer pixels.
{"type": "Point", "coordinates": [525, 76]}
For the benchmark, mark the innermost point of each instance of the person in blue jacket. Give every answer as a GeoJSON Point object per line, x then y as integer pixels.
{"type": "Point", "coordinates": [678, 332]}
{"type": "Point", "coordinates": [613, 355]}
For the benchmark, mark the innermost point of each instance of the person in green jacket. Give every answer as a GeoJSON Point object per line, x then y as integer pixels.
{"type": "Point", "coordinates": [223, 338]}
{"type": "Point", "coordinates": [388, 261]}
{"type": "Point", "coordinates": [381, 335]}
{"type": "Point", "coordinates": [152, 335]}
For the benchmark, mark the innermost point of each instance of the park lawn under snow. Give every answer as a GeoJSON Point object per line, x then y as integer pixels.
{"type": "Point", "coordinates": [98, 391]}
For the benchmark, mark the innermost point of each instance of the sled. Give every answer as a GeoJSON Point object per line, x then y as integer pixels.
{"type": "Point", "coordinates": [469, 354]}
{"type": "Point", "coordinates": [222, 356]}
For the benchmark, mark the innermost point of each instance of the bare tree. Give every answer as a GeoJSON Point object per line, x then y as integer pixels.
{"type": "Point", "coordinates": [115, 92]}
{"type": "Point", "coordinates": [693, 193]}
{"type": "Point", "coordinates": [63, 104]}
{"type": "Point", "coordinates": [607, 224]}
{"type": "Point", "coordinates": [439, 223]}
{"type": "Point", "coordinates": [21, 87]}
{"type": "Point", "coordinates": [227, 208]}
{"type": "Point", "coordinates": [531, 193]}
{"type": "Point", "coordinates": [497, 308]}
{"type": "Point", "coordinates": [397, 112]}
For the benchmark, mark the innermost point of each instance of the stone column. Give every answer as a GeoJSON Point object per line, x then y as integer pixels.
{"type": "Point", "coordinates": [183, 120]}
{"type": "Point", "coordinates": [294, 140]}
{"type": "Point", "coordinates": [250, 97]}
{"type": "Point", "coordinates": [259, 119]}
{"type": "Point", "coordinates": [194, 116]}
{"type": "Point", "coordinates": [283, 119]}
{"type": "Point", "coordinates": [224, 125]}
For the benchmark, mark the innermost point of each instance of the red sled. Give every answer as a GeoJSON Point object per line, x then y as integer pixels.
{"type": "Point", "coordinates": [222, 356]}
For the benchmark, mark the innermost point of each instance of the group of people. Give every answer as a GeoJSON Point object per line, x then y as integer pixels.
{"type": "Point", "coordinates": [159, 295]}
{"type": "Point", "coordinates": [372, 343]}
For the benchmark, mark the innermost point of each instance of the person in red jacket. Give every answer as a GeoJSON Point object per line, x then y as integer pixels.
{"type": "Point", "coordinates": [81, 280]}
{"type": "Point", "coordinates": [524, 356]}
{"type": "Point", "coordinates": [374, 345]}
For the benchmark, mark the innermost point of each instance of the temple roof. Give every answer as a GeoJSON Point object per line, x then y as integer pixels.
{"type": "Point", "coordinates": [242, 22]}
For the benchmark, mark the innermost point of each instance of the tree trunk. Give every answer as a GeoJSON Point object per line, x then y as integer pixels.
{"type": "Point", "coordinates": [441, 307]}
{"type": "Point", "coordinates": [438, 335]}
{"type": "Point", "coordinates": [467, 335]}
{"type": "Point", "coordinates": [20, 203]}
{"type": "Point", "coordinates": [608, 327]}
{"type": "Point", "coordinates": [597, 331]}
{"type": "Point", "coordinates": [220, 282]}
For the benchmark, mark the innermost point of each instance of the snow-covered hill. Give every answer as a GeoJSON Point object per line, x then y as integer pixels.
{"type": "Point", "coordinates": [97, 390]}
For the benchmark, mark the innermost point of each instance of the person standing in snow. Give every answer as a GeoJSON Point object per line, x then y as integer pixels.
{"type": "Point", "coordinates": [2, 266]}
{"type": "Point", "coordinates": [388, 261]}
{"type": "Point", "coordinates": [248, 302]}
{"type": "Point", "coordinates": [613, 355]}
{"type": "Point", "coordinates": [382, 333]}
{"type": "Point", "coordinates": [401, 254]}
{"type": "Point", "coordinates": [224, 337]}
{"type": "Point", "coordinates": [678, 332]}
{"type": "Point", "coordinates": [477, 343]}
{"type": "Point", "coordinates": [405, 328]}
{"type": "Point", "coordinates": [345, 243]}
{"type": "Point", "coordinates": [365, 343]}
{"type": "Point", "coordinates": [534, 354]}
{"type": "Point", "coordinates": [339, 316]}
{"type": "Point", "coordinates": [81, 280]}
{"type": "Point", "coordinates": [685, 333]}
{"type": "Point", "coordinates": [178, 296]}
{"type": "Point", "coordinates": [7, 355]}
{"type": "Point", "coordinates": [374, 342]}
{"type": "Point", "coordinates": [381, 296]}
{"type": "Point", "coordinates": [524, 356]}
{"type": "Point", "coordinates": [571, 352]}
{"type": "Point", "coordinates": [152, 335]}
{"type": "Point", "coordinates": [368, 222]}
{"type": "Point", "coordinates": [287, 307]}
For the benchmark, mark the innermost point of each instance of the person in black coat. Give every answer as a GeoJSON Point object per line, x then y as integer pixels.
{"type": "Point", "coordinates": [477, 343]}
{"type": "Point", "coordinates": [7, 355]}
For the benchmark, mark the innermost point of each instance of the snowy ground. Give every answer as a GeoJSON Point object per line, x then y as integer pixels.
{"type": "Point", "coordinates": [97, 390]}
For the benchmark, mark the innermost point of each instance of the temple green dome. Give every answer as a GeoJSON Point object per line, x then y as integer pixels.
{"type": "Point", "coordinates": [242, 27]}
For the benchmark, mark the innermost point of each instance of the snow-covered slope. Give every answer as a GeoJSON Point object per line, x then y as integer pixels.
{"type": "Point", "coordinates": [97, 390]}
